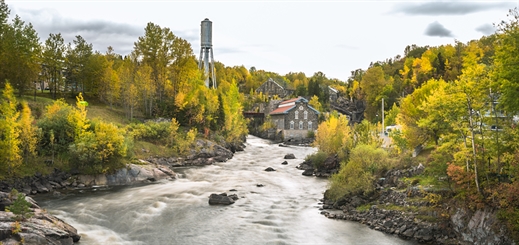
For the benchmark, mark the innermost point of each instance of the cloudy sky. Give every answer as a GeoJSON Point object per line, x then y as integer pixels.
{"type": "Point", "coordinates": [334, 37]}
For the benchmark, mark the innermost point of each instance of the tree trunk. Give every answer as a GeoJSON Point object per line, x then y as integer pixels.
{"type": "Point", "coordinates": [474, 152]}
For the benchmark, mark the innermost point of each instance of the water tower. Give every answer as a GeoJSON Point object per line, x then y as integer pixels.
{"type": "Point", "coordinates": [206, 36]}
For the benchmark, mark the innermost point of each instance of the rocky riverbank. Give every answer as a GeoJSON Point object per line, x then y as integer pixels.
{"type": "Point", "coordinates": [146, 171]}
{"type": "Point", "coordinates": [41, 228]}
{"type": "Point", "coordinates": [413, 212]}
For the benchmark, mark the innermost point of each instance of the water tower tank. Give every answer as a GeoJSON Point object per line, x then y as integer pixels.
{"type": "Point", "coordinates": [207, 33]}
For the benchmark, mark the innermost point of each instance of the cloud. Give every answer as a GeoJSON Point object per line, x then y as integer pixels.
{"type": "Point", "coordinates": [450, 8]}
{"type": "Point", "coordinates": [100, 33]}
{"type": "Point", "coordinates": [486, 29]}
{"type": "Point", "coordinates": [436, 29]}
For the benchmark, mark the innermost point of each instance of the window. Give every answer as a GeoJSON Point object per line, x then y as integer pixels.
{"type": "Point", "coordinates": [300, 124]}
{"type": "Point", "coordinates": [291, 124]}
{"type": "Point", "coordinates": [297, 115]}
{"type": "Point", "coordinates": [305, 116]}
{"type": "Point", "coordinates": [309, 125]}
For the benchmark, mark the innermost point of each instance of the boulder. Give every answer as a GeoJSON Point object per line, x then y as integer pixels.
{"type": "Point", "coordinates": [284, 163]}
{"type": "Point", "coordinates": [41, 228]}
{"type": "Point", "coordinates": [290, 156]}
{"type": "Point", "coordinates": [222, 199]}
{"type": "Point", "coordinates": [269, 169]}
{"type": "Point", "coordinates": [40, 188]}
{"type": "Point", "coordinates": [308, 172]}
{"type": "Point", "coordinates": [424, 235]}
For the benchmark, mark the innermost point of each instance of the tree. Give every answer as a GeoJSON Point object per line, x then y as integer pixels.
{"type": "Point", "coordinates": [10, 155]}
{"type": "Point", "coordinates": [53, 62]}
{"type": "Point", "coordinates": [159, 48]}
{"type": "Point", "coordinates": [235, 126]}
{"type": "Point", "coordinates": [29, 137]}
{"type": "Point", "coordinates": [506, 60]}
{"type": "Point", "coordinates": [20, 63]}
{"type": "Point", "coordinates": [411, 111]}
{"type": "Point", "coordinates": [314, 102]}
{"type": "Point", "coordinates": [334, 136]}
{"type": "Point", "coordinates": [77, 65]}
{"type": "Point", "coordinates": [374, 86]}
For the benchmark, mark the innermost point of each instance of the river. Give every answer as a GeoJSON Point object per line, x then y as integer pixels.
{"type": "Point", "coordinates": [284, 211]}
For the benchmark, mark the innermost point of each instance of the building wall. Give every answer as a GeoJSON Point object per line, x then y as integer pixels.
{"type": "Point", "coordinates": [271, 88]}
{"type": "Point", "coordinates": [283, 121]}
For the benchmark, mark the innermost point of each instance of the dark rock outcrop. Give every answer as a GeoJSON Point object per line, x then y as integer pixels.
{"type": "Point", "coordinates": [284, 163]}
{"type": "Point", "coordinates": [330, 166]}
{"type": "Point", "coordinates": [479, 227]}
{"type": "Point", "coordinates": [269, 169]}
{"type": "Point", "coordinates": [222, 199]}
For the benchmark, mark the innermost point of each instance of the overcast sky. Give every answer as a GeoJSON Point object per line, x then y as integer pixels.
{"type": "Point", "coordinates": [334, 37]}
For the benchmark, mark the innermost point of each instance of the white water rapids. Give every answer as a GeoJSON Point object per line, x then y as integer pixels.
{"type": "Point", "coordinates": [284, 211]}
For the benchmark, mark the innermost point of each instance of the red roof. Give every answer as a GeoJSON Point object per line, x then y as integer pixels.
{"type": "Point", "coordinates": [281, 110]}
{"type": "Point", "coordinates": [289, 101]}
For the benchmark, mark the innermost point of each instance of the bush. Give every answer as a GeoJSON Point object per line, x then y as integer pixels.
{"type": "Point", "coordinates": [157, 132]}
{"type": "Point", "coordinates": [100, 148]}
{"type": "Point", "coordinates": [317, 159]}
{"type": "Point", "coordinates": [58, 130]}
{"type": "Point", "coordinates": [365, 165]}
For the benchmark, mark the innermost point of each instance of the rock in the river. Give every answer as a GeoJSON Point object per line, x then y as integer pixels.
{"type": "Point", "coordinates": [269, 169]}
{"type": "Point", "coordinates": [290, 156]}
{"type": "Point", "coordinates": [222, 199]}
{"type": "Point", "coordinates": [284, 163]}
{"type": "Point", "coordinates": [259, 185]}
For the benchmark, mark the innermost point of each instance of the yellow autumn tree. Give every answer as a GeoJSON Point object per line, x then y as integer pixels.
{"type": "Point", "coordinates": [10, 153]}
{"type": "Point", "coordinates": [334, 136]}
{"type": "Point", "coordinates": [29, 137]}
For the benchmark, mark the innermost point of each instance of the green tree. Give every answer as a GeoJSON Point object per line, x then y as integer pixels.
{"type": "Point", "coordinates": [77, 64]}
{"type": "Point", "coordinates": [54, 62]}
{"type": "Point", "coordinates": [374, 86]}
{"type": "Point", "coordinates": [20, 63]}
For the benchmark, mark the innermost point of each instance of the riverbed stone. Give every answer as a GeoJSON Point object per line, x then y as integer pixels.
{"type": "Point", "coordinates": [221, 199]}
{"type": "Point", "coordinates": [290, 156]}
{"type": "Point", "coordinates": [269, 169]}
{"type": "Point", "coordinates": [284, 163]}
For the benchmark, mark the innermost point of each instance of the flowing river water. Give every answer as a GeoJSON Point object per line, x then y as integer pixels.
{"type": "Point", "coordinates": [284, 211]}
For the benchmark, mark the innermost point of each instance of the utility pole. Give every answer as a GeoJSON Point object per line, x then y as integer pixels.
{"type": "Point", "coordinates": [383, 128]}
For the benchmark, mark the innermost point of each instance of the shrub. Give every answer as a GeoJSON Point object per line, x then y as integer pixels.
{"type": "Point", "coordinates": [366, 163]}
{"type": "Point", "coordinates": [317, 159]}
{"type": "Point", "coordinates": [150, 131]}
{"type": "Point", "coordinates": [100, 148]}
{"type": "Point", "coordinates": [55, 124]}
